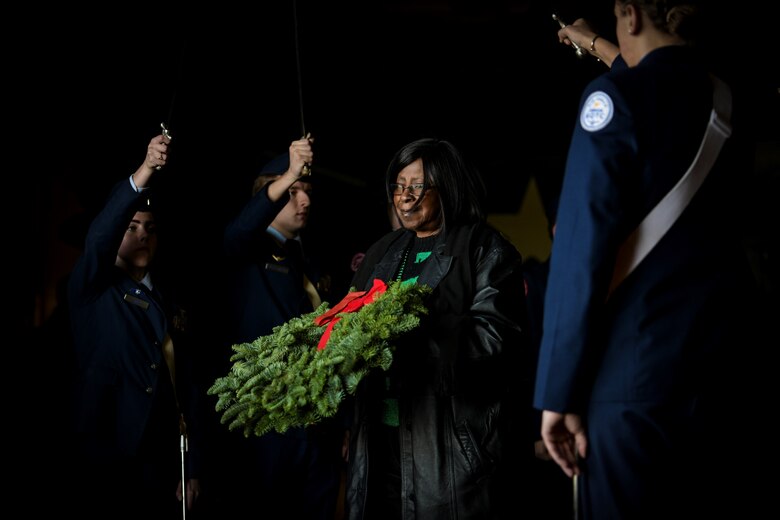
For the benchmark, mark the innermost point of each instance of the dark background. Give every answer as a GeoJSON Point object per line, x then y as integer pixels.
{"type": "Point", "coordinates": [488, 75]}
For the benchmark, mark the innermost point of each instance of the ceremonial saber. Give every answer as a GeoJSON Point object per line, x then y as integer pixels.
{"type": "Point", "coordinates": [575, 483]}
{"type": "Point", "coordinates": [165, 125]}
{"type": "Point", "coordinates": [576, 511]}
{"type": "Point", "coordinates": [306, 167]}
{"type": "Point", "coordinates": [183, 449]}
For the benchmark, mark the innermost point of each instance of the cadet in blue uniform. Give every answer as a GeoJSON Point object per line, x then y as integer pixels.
{"type": "Point", "coordinates": [270, 281]}
{"type": "Point", "coordinates": [127, 413]}
{"type": "Point", "coordinates": [635, 382]}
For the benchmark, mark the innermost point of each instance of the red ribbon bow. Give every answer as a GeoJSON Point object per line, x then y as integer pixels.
{"type": "Point", "coordinates": [351, 303]}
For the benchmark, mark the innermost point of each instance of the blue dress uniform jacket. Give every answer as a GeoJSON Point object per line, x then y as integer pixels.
{"type": "Point", "coordinates": [639, 365]}
{"type": "Point", "coordinates": [126, 409]}
{"type": "Point", "coordinates": [295, 474]}
{"type": "Point", "coordinates": [265, 287]}
{"type": "Point", "coordinates": [118, 331]}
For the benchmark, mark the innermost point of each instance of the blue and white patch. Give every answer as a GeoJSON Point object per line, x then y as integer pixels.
{"type": "Point", "coordinates": [597, 111]}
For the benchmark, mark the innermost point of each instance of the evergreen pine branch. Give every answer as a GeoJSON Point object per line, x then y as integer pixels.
{"type": "Point", "coordinates": [282, 380]}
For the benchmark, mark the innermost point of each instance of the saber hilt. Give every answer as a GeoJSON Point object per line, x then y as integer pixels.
{"type": "Point", "coordinates": [306, 170]}
{"type": "Point", "coordinates": [577, 49]}
{"type": "Point", "coordinates": [167, 134]}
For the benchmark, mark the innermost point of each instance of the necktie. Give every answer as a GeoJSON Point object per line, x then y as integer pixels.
{"type": "Point", "coordinates": [296, 256]}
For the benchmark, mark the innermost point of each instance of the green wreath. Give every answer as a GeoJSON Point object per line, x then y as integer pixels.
{"type": "Point", "coordinates": [301, 372]}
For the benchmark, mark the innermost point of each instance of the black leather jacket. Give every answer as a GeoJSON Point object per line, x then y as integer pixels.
{"type": "Point", "coordinates": [463, 378]}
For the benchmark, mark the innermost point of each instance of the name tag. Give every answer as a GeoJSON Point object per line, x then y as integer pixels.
{"type": "Point", "coordinates": [129, 298]}
{"type": "Point", "coordinates": [277, 268]}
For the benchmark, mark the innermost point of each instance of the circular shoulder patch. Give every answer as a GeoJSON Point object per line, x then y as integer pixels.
{"type": "Point", "coordinates": [597, 111]}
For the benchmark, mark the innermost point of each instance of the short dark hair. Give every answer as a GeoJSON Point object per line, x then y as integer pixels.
{"type": "Point", "coordinates": [460, 186]}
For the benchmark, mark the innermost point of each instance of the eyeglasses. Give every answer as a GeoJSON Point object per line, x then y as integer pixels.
{"type": "Point", "coordinates": [414, 189]}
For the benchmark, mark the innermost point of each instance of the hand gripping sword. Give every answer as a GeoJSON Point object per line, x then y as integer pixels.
{"type": "Point", "coordinates": [577, 49]}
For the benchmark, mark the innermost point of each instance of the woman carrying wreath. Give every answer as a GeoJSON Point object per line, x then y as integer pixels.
{"type": "Point", "coordinates": [442, 433]}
